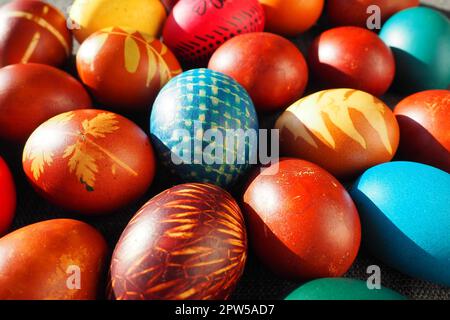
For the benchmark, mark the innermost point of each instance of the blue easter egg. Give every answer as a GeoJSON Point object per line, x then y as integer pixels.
{"type": "Point", "coordinates": [420, 40]}
{"type": "Point", "coordinates": [405, 216]}
{"type": "Point", "coordinates": [198, 125]}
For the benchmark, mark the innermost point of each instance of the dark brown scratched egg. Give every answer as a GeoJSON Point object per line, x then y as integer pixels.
{"type": "Point", "coordinates": [187, 243]}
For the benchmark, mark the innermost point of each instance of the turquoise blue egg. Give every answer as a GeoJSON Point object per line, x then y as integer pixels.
{"type": "Point", "coordinates": [200, 102]}
{"type": "Point", "coordinates": [405, 216]}
{"type": "Point", "coordinates": [342, 289]}
{"type": "Point", "coordinates": [420, 40]}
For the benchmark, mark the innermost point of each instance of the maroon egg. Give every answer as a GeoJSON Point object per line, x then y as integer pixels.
{"type": "Point", "coordinates": [188, 242]}
{"type": "Point", "coordinates": [33, 31]}
{"type": "Point", "coordinates": [271, 68]}
{"type": "Point", "coordinates": [30, 94]}
{"type": "Point", "coordinates": [354, 58]}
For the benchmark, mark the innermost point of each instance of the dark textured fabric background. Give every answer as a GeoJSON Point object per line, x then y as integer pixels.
{"type": "Point", "coordinates": [257, 282]}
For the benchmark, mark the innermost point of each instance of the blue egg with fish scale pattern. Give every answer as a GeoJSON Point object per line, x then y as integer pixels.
{"type": "Point", "coordinates": [187, 107]}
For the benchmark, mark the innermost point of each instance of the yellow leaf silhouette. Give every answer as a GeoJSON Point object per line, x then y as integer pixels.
{"type": "Point", "coordinates": [42, 156]}
{"type": "Point", "coordinates": [132, 54]}
{"type": "Point", "coordinates": [102, 124]}
{"type": "Point", "coordinates": [336, 104]}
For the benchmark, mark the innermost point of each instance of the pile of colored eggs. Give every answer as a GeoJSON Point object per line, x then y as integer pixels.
{"type": "Point", "coordinates": [203, 129]}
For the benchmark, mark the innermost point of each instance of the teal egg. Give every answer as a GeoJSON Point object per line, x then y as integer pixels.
{"type": "Point", "coordinates": [194, 126]}
{"type": "Point", "coordinates": [420, 40]}
{"type": "Point", "coordinates": [342, 289]}
{"type": "Point", "coordinates": [405, 217]}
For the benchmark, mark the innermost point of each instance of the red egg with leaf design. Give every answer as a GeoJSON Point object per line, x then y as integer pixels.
{"type": "Point", "coordinates": [189, 242]}
{"type": "Point", "coordinates": [33, 31]}
{"type": "Point", "coordinates": [125, 69]}
{"type": "Point", "coordinates": [89, 161]}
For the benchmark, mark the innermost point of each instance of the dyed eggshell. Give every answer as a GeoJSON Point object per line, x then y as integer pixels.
{"type": "Point", "coordinates": [89, 161]}
{"type": "Point", "coordinates": [196, 28]}
{"type": "Point", "coordinates": [178, 129]}
{"type": "Point", "coordinates": [352, 57]}
{"type": "Point", "coordinates": [354, 12]}
{"type": "Point", "coordinates": [188, 242]}
{"type": "Point", "coordinates": [269, 67]}
{"type": "Point", "coordinates": [7, 197]}
{"type": "Point", "coordinates": [146, 16]}
{"type": "Point", "coordinates": [301, 220]}
{"type": "Point", "coordinates": [291, 17]}
{"type": "Point", "coordinates": [142, 63]}
{"type": "Point", "coordinates": [33, 31]}
{"type": "Point", "coordinates": [420, 40]}
{"type": "Point", "coordinates": [424, 120]}
{"type": "Point", "coordinates": [406, 218]}
{"type": "Point", "coordinates": [342, 289]}
{"type": "Point", "coordinates": [31, 94]}
{"type": "Point", "coordinates": [38, 261]}
{"type": "Point", "coordinates": [344, 131]}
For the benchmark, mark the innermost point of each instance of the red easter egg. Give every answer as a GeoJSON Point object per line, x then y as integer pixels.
{"type": "Point", "coordinates": [291, 17]}
{"type": "Point", "coordinates": [89, 161]}
{"type": "Point", "coordinates": [269, 67]}
{"type": "Point", "coordinates": [196, 28]}
{"type": "Point", "coordinates": [33, 31]}
{"type": "Point", "coordinates": [189, 242]}
{"type": "Point", "coordinates": [352, 57]}
{"type": "Point", "coordinates": [33, 93]}
{"type": "Point", "coordinates": [354, 12]}
{"type": "Point", "coordinates": [302, 222]}
{"type": "Point", "coordinates": [7, 197]}
{"type": "Point", "coordinates": [424, 120]}
{"type": "Point", "coordinates": [141, 62]}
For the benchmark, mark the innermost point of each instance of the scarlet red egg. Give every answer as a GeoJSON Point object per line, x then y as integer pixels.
{"type": "Point", "coordinates": [143, 66]}
{"type": "Point", "coordinates": [7, 197]}
{"type": "Point", "coordinates": [188, 242]}
{"type": "Point", "coordinates": [196, 28]}
{"type": "Point", "coordinates": [355, 12]}
{"type": "Point", "coordinates": [33, 31]}
{"type": "Point", "coordinates": [33, 93]}
{"type": "Point", "coordinates": [269, 67]}
{"type": "Point", "coordinates": [52, 260]}
{"type": "Point", "coordinates": [302, 222]}
{"type": "Point", "coordinates": [424, 120]}
{"type": "Point", "coordinates": [352, 57]}
{"type": "Point", "coordinates": [89, 161]}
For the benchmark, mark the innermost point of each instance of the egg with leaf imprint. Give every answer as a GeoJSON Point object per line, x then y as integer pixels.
{"type": "Point", "coordinates": [89, 161]}
{"type": "Point", "coordinates": [345, 131]}
{"type": "Point", "coordinates": [141, 62]}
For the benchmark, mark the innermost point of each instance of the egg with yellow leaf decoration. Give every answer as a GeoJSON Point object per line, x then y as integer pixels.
{"type": "Point", "coordinates": [89, 161]}
{"type": "Point", "coordinates": [89, 16]}
{"type": "Point", "coordinates": [125, 69]}
{"type": "Point", "coordinates": [345, 131]}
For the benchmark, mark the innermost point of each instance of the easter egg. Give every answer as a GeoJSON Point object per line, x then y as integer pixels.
{"type": "Point", "coordinates": [360, 12]}
{"type": "Point", "coordinates": [33, 31]}
{"type": "Point", "coordinates": [200, 124]}
{"type": "Point", "coordinates": [342, 289]}
{"type": "Point", "coordinates": [424, 120]}
{"type": "Point", "coordinates": [406, 217]}
{"type": "Point", "coordinates": [7, 197]}
{"type": "Point", "coordinates": [196, 28]}
{"type": "Point", "coordinates": [269, 67]}
{"type": "Point", "coordinates": [87, 17]}
{"type": "Point", "coordinates": [420, 40]}
{"type": "Point", "coordinates": [301, 221]}
{"type": "Point", "coordinates": [52, 260]}
{"type": "Point", "coordinates": [89, 161]}
{"type": "Point", "coordinates": [33, 93]}
{"type": "Point", "coordinates": [187, 243]}
{"type": "Point", "coordinates": [143, 66]}
{"type": "Point", "coordinates": [352, 57]}
{"type": "Point", "coordinates": [291, 17]}
{"type": "Point", "coordinates": [344, 131]}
